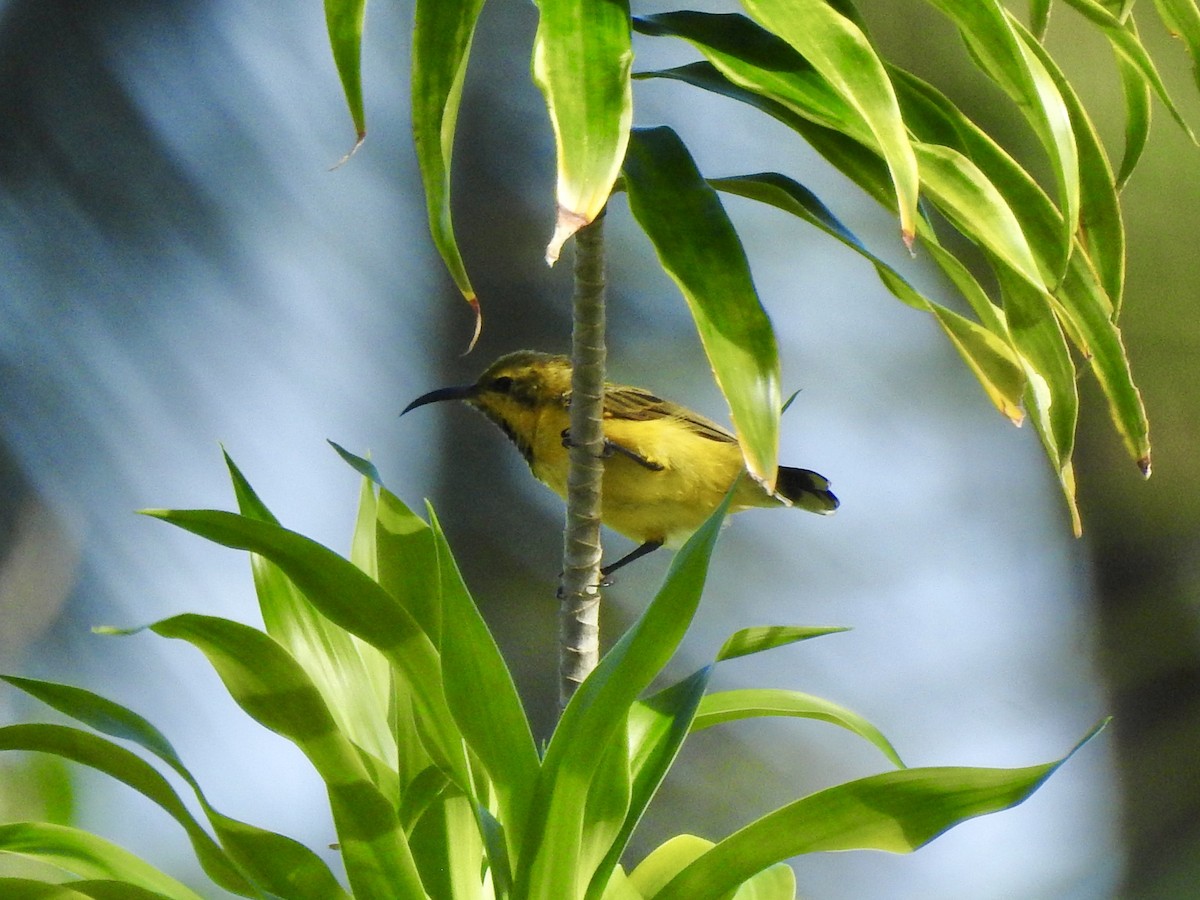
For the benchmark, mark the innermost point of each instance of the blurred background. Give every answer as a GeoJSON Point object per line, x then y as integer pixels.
{"type": "Point", "coordinates": [180, 269]}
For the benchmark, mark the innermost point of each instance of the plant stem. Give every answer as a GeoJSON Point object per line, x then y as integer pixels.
{"type": "Point", "coordinates": [579, 611]}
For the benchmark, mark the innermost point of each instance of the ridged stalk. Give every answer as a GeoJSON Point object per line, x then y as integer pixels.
{"type": "Point", "coordinates": [579, 612]}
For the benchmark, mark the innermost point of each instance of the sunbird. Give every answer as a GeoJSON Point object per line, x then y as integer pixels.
{"type": "Point", "coordinates": [666, 468]}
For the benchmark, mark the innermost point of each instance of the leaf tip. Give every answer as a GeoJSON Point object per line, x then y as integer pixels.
{"type": "Point", "coordinates": [473, 301]}
{"type": "Point", "coordinates": [567, 223]}
{"type": "Point", "coordinates": [113, 630]}
{"type": "Point", "coordinates": [1144, 466]}
{"type": "Point", "coordinates": [360, 136]}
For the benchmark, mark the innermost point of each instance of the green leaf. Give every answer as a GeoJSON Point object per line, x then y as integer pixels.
{"type": "Point", "coordinates": [344, 21]}
{"type": "Point", "coordinates": [28, 889]}
{"type": "Point", "coordinates": [756, 640]}
{"type": "Point", "coordinates": [728, 706]}
{"type": "Point", "coordinates": [699, 248]}
{"type": "Point", "coordinates": [483, 699]}
{"type": "Point", "coordinates": [1039, 18]}
{"type": "Point", "coordinates": [1101, 232]}
{"type": "Point", "coordinates": [1137, 114]}
{"type": "Point", "coordinates": [273, 689]}
{"type": "Point", "coordinates": [119, 763]}
{"type": "Point", "coordinates": [582, 56]}
{"type": "Point", "coordinates": [1081, 306]}
{"type": "Point", "coordinates": [442, 33]}
{"type": "Point", "coordinates": [408, 570]}
{"type": "Point", "coordinates": [976, 208]}
{"type": "Point", "coordinates": [347, 596]}
{"type": "Point", "coordinates": [896, 811]}
{"type": "Point", "coordinates": [987, 28]}
{"type": "Point", "coordinates": [987, 354]}
{"type": "Point", "coordinates": [653, 873]}
{"type": "Point", "coordinates": [447, 845]}
{"type": "Point", "coordinates": [363, 467]}
{"type": "Point", "coordinates": [87, 856]}
{"type": "Point", "coordinates": [353, 677]}
{"type": "Point", "coordinates": [1183, 18]}
{"type": "Point", "coordinates": [657, 728]}
{"type": "Point", "coordinates": [599, 710]}
{"type": "Point", "coordinates": [278, 864]}
{"type": "Point", "coordinates": [841, 53]}
{"type": "Point", "coordinates": [1052, 397]}
{"type": "Point", "coordinates": [1121, 32]}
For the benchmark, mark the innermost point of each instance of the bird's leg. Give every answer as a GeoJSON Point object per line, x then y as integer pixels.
{"type": "Point", "coordinates": [611, 448]}
{"type": "Point", "coordinates": [636, 553]}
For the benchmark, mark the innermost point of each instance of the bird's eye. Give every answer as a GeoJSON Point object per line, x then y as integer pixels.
{"type": "Point", "coordinates": [502, 384]}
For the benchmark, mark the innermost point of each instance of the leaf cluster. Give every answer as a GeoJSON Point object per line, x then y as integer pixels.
{"type": "Point", "coordinates": [1049, 299]}
{"type": "Point", "coordinates": [380, 669]}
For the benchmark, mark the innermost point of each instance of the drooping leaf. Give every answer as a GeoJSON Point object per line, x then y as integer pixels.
{"type": "Point", "coordinates": [986, 353]}
{"type": "Point", "coordinates": [1051, 395]}
{"type": "Point", "coordinates": [442, 33]}
{"type": "Point", "coordinates": [1183, 18]}
{"type": "Point", "coordinates": [987, 28]}
{"type": "Point", "coordinates": [344, 22]}
{"type": "Point", "coordinates": [841, 53]}
{"type": "Point", "coordinates": [582, 57]}
{"type": "Point", "coordinates": [699, 248]}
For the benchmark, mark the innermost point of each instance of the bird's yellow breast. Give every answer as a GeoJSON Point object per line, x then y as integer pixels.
{"type": "Point", "coordinates": [665, 494]}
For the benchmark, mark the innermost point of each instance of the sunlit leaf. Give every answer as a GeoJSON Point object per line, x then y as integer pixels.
{"type": "Point", "coordinates": [598, 710]}
{"type": "Point", "coordinates": [985, 352]}
{"type": "Point", "coordinates": [117, 762]}
{"type": "Point", "coordinates": [347, 596]}
{"type": "Point", "coordinates": [272, 688]}
{"type": "Point", "coordinates": [971, 202]}
{"type": "Point", "coordinates": [841, 53]}
{"type": "Point", "coordinates": [653, 873]}
{"type": "Point", "coordinates": [699, 248]}
{"type": "Point", "coordinates": [1183, 18]}
{"type": "Point", "coordinates": [87, 856]}
{"type": "Point", "coordinates": [987, 29]}
{"type": "Point", "coordinates": [756, 640]}
{"type": "Point", "coordinates": [276, 863]}
{"type": "Point", "coordinates": [896, 811]}
{"type": "Point", "coordinates": [483, 698]}
{"type": "Point", "coordinates": [582, 56]}
{"type": "Point", "coordinates": [729, 706]}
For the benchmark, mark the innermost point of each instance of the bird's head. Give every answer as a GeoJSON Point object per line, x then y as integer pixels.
{"type": "Point", "coordinates": [511, 390]}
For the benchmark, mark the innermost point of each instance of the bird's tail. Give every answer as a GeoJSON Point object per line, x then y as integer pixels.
{"type": "Point", "coordinates": [806, 489]}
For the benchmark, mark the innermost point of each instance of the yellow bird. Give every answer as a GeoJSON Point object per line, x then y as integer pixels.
{"type": "Point", "coordinates": [666, 468]}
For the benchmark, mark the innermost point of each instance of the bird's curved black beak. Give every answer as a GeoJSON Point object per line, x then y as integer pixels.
{"type": "Point", "coordinates": [464, 392]}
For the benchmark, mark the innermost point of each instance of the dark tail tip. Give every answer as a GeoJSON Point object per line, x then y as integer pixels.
{"type": "Point", "coordinates": [806, 489]}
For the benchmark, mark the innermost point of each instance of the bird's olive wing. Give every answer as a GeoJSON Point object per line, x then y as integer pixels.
{"type": "Point", "coordinates": [634, 404]}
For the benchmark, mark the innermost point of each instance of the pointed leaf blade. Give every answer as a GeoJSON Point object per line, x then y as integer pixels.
{"type": "Point", "coordinates": [700, 250]}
